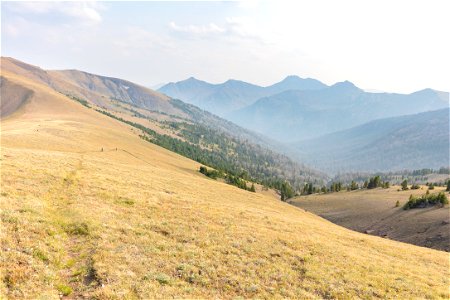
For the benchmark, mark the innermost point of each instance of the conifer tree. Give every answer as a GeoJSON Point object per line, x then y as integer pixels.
{"type": "Point", "coordinates": [405, 185]}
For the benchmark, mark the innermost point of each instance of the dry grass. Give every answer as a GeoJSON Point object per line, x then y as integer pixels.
{"type": "Point", "coordinates": [141, 222]}
{"type": "Point", "coordinates": [374, 211]}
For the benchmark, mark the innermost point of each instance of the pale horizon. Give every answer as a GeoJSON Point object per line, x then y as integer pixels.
{"type": "Point", "coordinates": [394, 47]}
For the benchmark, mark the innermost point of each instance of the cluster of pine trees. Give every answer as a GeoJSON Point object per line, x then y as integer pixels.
{"type": "Point", "coordinates": [79, 100]}
{"type": "Point", "coordinates": [396, 177]}
{"type": "Point", "coordinates": [426, 200]}
{"type": "Point", "coordinates": [230, 179]}
{"type": "Point", "coordinates": [375, 182]}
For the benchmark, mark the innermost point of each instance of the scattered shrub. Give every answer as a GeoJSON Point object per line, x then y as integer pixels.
{"type": "Point", "coordinates": [40, 255]}
{"type": "Point", "coordinates": [162, 279]}
{"type": "Point", "coordinates": [211, 173]}
{"type": "Point", "coordinates": [415, 186]}
{"type": "Point", "coordinates": [77, 228]}
{"type": "Point", "coordinates": [425, 201]}
{"type": "Point", "coordinates": [64, 289]}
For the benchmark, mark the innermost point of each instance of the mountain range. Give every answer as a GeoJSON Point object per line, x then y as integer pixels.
{"type": "Point", "coordinates": [298, 109]}
{"type": "Point", "coordinates": [298, 115]}
{"type": "Point", "coordinates": [231, 95]}
{"type": "Point", "coordinates": [334, 128]}
{"type": "Point", "coordinates": [416, 141]}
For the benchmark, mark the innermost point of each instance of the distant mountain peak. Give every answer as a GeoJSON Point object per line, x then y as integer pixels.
{"type": "Point", "coordinates": [234, 83]}
{"type": "Point", "coordinates": [192, 78]}
{"type": "Point", "coordinates": [231, 81]}
{"type": "Point", "coordinates": [427, 90]}
{"type": "Point", "coordinates": [190, 81]}
{"type": "Point", "coordinates": [294, 82]}
{"type": "Point", "coordinates": [345, 85]}
{"type": "Point", "coordinates": [291, 77]}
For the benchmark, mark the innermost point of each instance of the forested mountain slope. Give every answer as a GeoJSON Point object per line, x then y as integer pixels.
{"type": "Point", "coordinates": [411, 142]}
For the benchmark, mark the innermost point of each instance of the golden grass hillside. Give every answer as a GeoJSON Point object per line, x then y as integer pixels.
{"type": "Point", "coordinates": [141, 222]}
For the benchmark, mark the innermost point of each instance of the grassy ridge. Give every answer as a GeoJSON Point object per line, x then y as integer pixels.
{"type": "Point", "coordinates": [142, 222]}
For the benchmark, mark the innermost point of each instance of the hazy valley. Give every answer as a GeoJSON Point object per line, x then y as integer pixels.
{"type": "Point", "coordinates": [224, 150]}
{"type": "Point", "coordinates": [95, 207]}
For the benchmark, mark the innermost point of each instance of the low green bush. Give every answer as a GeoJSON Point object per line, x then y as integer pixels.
{"type": "Point", "coordinates": [425, 201]}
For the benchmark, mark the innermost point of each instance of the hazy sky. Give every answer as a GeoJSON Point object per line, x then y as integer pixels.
{"type": "Point", "coordinates": [398, 46]}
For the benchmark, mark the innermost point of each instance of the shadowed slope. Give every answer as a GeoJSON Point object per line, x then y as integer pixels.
{"type": "Point", "coordinates": [13, 96]}
{"type": "Point", "coordinates": [374, 211]}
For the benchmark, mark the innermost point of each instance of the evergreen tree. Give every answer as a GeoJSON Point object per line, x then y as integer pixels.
{"type": "Point", "coordinates": [310, 189]}
{"type": "Point", "coordinates": [286, 191]}
{"type": "Point", "coordinates": [203, 170]}
{"type": "Point", "coordinates": [252, 188]}
{"type": "Point", "coordinates": [374, 182]}
{"type": "Point", "coordinates": [405, 185]}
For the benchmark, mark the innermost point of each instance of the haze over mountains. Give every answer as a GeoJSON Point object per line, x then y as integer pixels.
{"type": "Point", "coordinates": [298, 109]}
{"type": "Point", "coordinates": [298, 115]}
{"type": "Point", "coordinates": [408, 142]}
{"type": "Point", "coordinates": [231, 95]}
{"type": "Point", "coordinates": [330, 127]}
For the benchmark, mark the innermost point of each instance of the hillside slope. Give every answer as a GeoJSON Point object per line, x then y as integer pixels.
{"type": "Point", "coordinates": [88, 209]}
{"type": "Point", "coordinates": [175, 125]}
{"type": "Point", "coordinates": [408, 142]}
{"type": "Point", "coordinates": [299, 115]}
{"type": "Point", "coordinates": [374, 211]}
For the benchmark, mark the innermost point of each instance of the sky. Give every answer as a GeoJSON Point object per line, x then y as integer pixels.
{"type": "Point", "coordinates": [396, 46]}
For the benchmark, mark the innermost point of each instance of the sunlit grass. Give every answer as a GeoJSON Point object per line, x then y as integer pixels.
{"type": "Point", "coordinates": [84, 223]}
